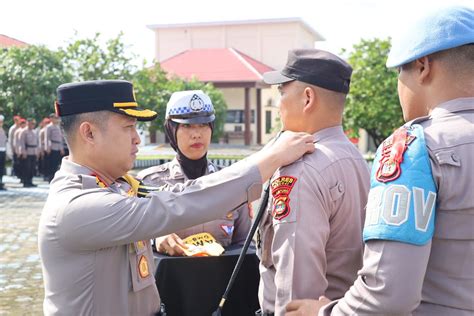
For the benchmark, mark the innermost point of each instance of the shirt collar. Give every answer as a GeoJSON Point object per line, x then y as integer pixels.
{"type": "Point", "coordinates": [453, 106]}
{"type": "Point", "coordinates": [328, 133]}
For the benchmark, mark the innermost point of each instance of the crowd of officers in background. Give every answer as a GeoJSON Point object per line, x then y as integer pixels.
{"type": "Point", "coordinates": [36, 150]}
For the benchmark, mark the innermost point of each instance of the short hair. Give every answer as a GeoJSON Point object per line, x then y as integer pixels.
{"type": "Point", "coordinates": [459, 60]}
{"type": "Point", "coordinates": [70, 123]}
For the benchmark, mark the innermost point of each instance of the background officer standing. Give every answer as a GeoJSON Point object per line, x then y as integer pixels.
{"type": "Point", "coordinates": [28, 152]}
{"type": "Point", "coordinates": [419, 242]}
{"type": "Point", "coordinates": [188, 125]}
{"type": "Point", "coordinates": [3, 150]}
{"type": "Point", "coordinates": [94, 231]}
{"type": "Point", "coordinates": [54, 146]}
{"type": "Point", "coordinates": [310, 235]}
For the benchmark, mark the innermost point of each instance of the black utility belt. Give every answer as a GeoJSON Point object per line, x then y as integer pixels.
{"type": "Point", "coordinates": [56, 142]}
{"type": "Point", "coordinates": [31, 146]}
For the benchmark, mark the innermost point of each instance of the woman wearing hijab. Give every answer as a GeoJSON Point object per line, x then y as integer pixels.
{"type": "Point", "coordinates": [189, 125]}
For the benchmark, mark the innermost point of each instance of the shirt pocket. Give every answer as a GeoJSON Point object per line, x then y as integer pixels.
{"type": "Point", "coordinates": [141, 267]}
{"type": "Point", "coordinates": [448, 157]}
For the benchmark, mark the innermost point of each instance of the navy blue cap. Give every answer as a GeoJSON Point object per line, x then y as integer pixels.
{"type": "Point", "coordinates": [313, 66]}
{"type": "Point", "coordinates": [100, 95]}
{"type": "Point", "coordinates": [442, 29]}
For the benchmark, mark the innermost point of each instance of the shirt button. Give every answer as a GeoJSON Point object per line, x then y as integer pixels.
{"type": "Point", "coordinates": [340, 188]}
{"type": "Point", "coordinates": [454, 158]}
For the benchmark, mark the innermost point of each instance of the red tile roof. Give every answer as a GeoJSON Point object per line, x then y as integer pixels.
{"type": "Point", "coordinates": [215, 65]}
{"type": "Point", "coordinates": [6, 41]}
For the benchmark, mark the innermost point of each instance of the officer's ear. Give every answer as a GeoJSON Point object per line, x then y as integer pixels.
{"type": "Point", "coordinates": [87, 132]}
{"type": "Point", "coordinates": [310, 99]}
{"type": "Point", "coordinates": [424, 69]}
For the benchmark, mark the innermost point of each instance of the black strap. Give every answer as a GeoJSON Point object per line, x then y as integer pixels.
{"type": "Point", "coordinates": [261, 209]}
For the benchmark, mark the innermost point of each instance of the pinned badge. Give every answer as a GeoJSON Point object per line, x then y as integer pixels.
{"type": "Point", "coordinates": [143, 267]}
{"type": "Point", "coordinates": [392, 155]}
{"type": "Point", "coordinates": [228, 229]}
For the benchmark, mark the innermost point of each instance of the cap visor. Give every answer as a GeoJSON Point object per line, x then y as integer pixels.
{"type": "Point", "coordinates": [275, 77]}
{"type": "Point", "coordinates": [195, 120]}
{"type": "Point", "coordinates": [140, 115]}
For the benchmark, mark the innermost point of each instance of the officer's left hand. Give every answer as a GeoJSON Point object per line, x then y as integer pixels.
{"type": "Point", "coordinates": [306, 307]}
{"type": "Point", "coordinates": [170, 245]}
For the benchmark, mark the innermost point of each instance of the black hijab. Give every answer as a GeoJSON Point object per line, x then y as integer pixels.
{"type": "Point", "coordinates": [193, 169]}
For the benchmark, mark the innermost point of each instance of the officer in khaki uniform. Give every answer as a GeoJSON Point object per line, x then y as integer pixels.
{"type": "Point", "coordinates": [310, 236]}
{"type": "Point", "coordinates": [28, 153]}
{"type": "Point", "coordinates": [94, 231]}
{"type": "Point", "coordinates": [3, 150]}
{"type": "Point", "coordinates": [192, 113]}
{"type": "Point", "coordinates": [419, 242]}
{"type": "Point", "coordinates": [53, 141]}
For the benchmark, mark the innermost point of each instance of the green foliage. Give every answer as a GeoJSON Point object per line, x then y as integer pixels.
{"type": "Point", "coordinates": [87, 60]}
{"type": "Point", "coordinates": [373, 102]}
{"type": "Point", "coordinates": [28, 79]}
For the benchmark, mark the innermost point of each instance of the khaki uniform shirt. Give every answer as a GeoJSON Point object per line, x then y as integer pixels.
{"type": "Point", "coordinates": [3, 140]}
{"type": "Point", "coordinates": [54, 137]}
{"type": "Point", "coordinates": [28, 142]}
{"type": "Point", "coordinates": [89, 236]}
{"type": "Point", "coordinates": [11, 137]}
{"type": "Point", "coordinates": [311, 235]}
{"type": "Point", "coordinates": [16, 139]}
{"type": "Point", "coordinates": [232, 228]}
{"type": "Point", "coordinates": [42, 139]}
{"type": "Point", "coordinates": [437, 278]}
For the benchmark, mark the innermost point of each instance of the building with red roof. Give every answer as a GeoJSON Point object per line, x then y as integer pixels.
{"type": "Point", "coordinates": [233, 55]}
{"type": "Point", "coordinates": [7, 42]}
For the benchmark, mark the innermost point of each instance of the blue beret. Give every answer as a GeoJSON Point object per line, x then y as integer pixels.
{"type": "Point", "coordinates": [440, 30]}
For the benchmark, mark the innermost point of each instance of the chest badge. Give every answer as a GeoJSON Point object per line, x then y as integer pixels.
{"type": "Point", "coordinates": [143, 269]}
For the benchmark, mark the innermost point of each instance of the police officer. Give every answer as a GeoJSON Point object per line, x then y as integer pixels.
{"type": "Point", "coordinates": [20, 161]}
{"type": "Point", "coordinates": [11, 142]}
{"type": "Point", "coordinates": [94, 231]}
{"type": "Point", "coordinates": [310, 241]}
{"type": "Point", "coordinates": [189, 125]}
{"type": "Point", "coordinates": [28, 152]}
{"type": "Point", "coordinates": [3, 149]}
{"type": "Point", "coordinates": [419, 242]}
{"type": "Point", "coordinates": [54, 145]}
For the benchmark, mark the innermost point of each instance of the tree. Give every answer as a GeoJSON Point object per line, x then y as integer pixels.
{"type": "Point", "coordinates": [87, 60]}
{"type": "Point", "coordinates": [28, 78]}
{"type": "Point", "coordinates": [372, 103]}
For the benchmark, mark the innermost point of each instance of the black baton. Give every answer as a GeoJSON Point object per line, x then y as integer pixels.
{"type": "Point", "coordinates": [243, 252]}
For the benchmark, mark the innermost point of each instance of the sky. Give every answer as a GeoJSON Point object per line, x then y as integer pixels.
{"type": "Point", "coordinates": [342, 23]}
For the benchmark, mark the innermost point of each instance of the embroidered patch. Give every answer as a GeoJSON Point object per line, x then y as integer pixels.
{"type": "Point", "coordinates": [281, 188]}
{"type": "Point", "coordinates": [228, 229]}
{"type": "Point", "coordinates": [196, 103]}
{"type": "Point", "coordinates": [143, 267]}
{"type": "Point", "coordinates": [392, 155]}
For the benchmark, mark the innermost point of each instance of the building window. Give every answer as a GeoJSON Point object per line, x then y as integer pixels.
{"type": "Point", "coordinates": [268, 122]}
{"type": "Point", "coordinates": [237, 116]}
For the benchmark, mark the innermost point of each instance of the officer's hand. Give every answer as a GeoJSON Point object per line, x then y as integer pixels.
{"type": "Point", "coordinates": [305, 307]}
{"type": "Point", "coordinates": [62, 152]}
{"type": "Point", "coordinates": [289, 147]}
{"type": "Point", "coordinates": [48, 151]}
{"type": "Point", "coordinates": [170, 245]}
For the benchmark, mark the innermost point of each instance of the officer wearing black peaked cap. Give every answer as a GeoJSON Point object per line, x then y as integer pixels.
{"type": "Point", "coordinates": [94, 231]}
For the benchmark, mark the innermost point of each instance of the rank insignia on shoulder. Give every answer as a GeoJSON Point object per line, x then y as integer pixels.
{"type": "Point", "coordinates": [281, 188]}
{"type": "Point", "coordinates": [143, 269]}
{"type": "Point", "coordinates": [391, 156]}
{"type": "Point", "coordinates": [99, 181]}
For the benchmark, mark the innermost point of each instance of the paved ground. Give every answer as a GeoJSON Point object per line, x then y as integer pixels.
{"type": "Point", "coordinates": [21, 284]}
